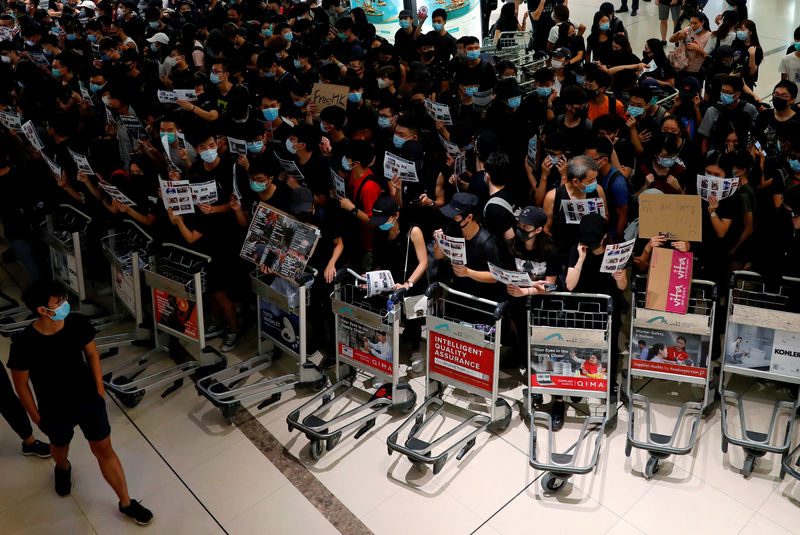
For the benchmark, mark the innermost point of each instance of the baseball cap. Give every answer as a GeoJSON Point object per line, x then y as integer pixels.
{"type": "Point", "coordinates": [534, 216]}
{"type": "Point", "coordinates": [591, 230]}
{"type": "Point", "coordinates": [690, 85]}
{"type": "Point", "coordinates": [159, 37]}
{"type": "Point", "coordinates": [462, 204]}
{"type": "Point", "coordinates": [301, 200]}
{"type": "Point", "coordinates": [88, 4]}
{"type": "Point", "coordinates": [653, 85]}
{"type": "Point", "coordinates": [382, 209]}
{"type": "Point", "coordinates": [562, 52]}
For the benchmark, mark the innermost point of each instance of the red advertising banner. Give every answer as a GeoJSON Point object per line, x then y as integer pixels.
{"type": "Point", "coordinates": [664, 367]}
{"type": "Point", "coordinates": [673, 352]}
{"type": "Point", "coordinates": [470, 364]}
{"type": "Point", "coordinates": [568, 368]}
{"type": "Point", "coordinates": [368, 346]}
{"type": "Point", "coordinates": [177, 314]}
{"type": "Point", "coordinates": [566, 382]}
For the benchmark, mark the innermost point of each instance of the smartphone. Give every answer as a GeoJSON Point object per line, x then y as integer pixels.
{"type": "Point", "coordinates": [667, 235]}
{"type": "Point", "coordinates": [757, 145]}
{"type": "Point", "coordinates": [550, 286]}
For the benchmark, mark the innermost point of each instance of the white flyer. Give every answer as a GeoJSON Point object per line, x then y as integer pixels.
{"type": "Point", "coordinates": [291, 169]}
{"type": "Point", "coordinates": [177, 196]}
{"type": "Point", "coordinates": [236, 192]}
{"type": "Point", "coordinates": [395, 165]}
{"type": "Point", "coordinates": [189, 95]}
{"type": "Point", "coordinates": [11, 120]}
{"type": "Point", "coordinates": [54, 167]}
{"type": "Point", "coordinates": [30, 132]}
{"type": "Point", "coordinates": [460, 164]}
{"type": "Point", "coordinates": [116, 194]}
{"type": "Point", "coordinates": [166, 97]}
{"type": "Point", "coordinates": [453, 248]}
{"type": "Point", "coordinates": [6, 34]}
{"type": "Point", "coordinates": [510, 278]}
{"type": "Point", "coordinates": [439, 112]}
{"type": "Point", "coordinates": [82, 162]}
{"type": "Point", "coordinates": [85, 92]}
{"type": "Point", "coordinates": [379, 282]}
{"type": "Point", "coordinates": [204, 192]}
{"type": "Point", "coordinates": [532, 148]}
{"type": "Point", "coordinates": [338, 184]}
{"type": "Point", "coordinates": [616, 256]}
{"type": "Point", "coordinates": [237, 146]}
{"type": "Point", "coordinates": [720, 188]}
{"type": "Point", "coordinates": [575, 209]}
{"type": "Point", "coordinates": [451, 148]}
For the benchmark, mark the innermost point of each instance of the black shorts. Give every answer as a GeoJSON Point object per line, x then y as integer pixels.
{"type": "Point", "coordinates": [90, 414]}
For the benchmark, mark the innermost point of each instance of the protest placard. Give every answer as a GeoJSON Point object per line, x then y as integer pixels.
{"type": "Point", "coordinates": [453, 248]}
{"type": "Point", "coordinates": [324, 95]}
{"type": "Point", "coordinates": [379, 282]}
{"type": "Point", "coordinates": [237, 146]}
{"type": "Point", "coordinates": [177, 196]}
{"type": "Point", "coordinates": [82, 162]}
{"type": "Point", "coordinates": [30, 132]}
{"type": "Point", "coordinates": [11, 120]}
{"type": "Point", "coordinates": [291, 169]}
{"type": "Point", "coordinates": [338, 184]}
{"type": "Point", "coordinates": [116, 194]}
{"type": "Point", "coordinates": [678, 217]}
{"type": "Point", "coordinates": [204, 192]}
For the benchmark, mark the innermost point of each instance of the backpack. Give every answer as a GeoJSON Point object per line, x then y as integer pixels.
{"type": "Point", "coordinates": [502, 203]}
{"type": "Point", "coordinates": [736, 116]}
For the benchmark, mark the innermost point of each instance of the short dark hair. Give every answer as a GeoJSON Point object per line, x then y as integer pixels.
{"type": "Point", "coordinates": [601, 144]}
{"type": "Point", "coordinates": [734, 81]}
{"type": "Point", "coordinates": [439, 12]}
{"type": "Point", "coordinates": [498, 166]}
{"type": "Point", "coordinates": [788, 85]}
{"type": "Point", "coordinates": [40, 292]}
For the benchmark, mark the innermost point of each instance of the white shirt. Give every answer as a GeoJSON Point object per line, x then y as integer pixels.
{"type": "Point", "coordinates": [790, 66]}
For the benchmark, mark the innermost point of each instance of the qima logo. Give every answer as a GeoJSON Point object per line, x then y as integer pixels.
{"type": "Point", "coordinates": [442, 327]}
{"type": "Point", "coordinates": [660, 319]}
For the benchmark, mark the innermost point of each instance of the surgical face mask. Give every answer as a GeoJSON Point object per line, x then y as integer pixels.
{"type": "Point", "coordinates": [5, 59]}
{"type": "Point", "coordinates": [579, 79]}
{"type": "Point", "coordinates": [267, 32]}
{"type": "Point", "coordinates": [120, 12]}
{"type": "Point", "coordinates": [209, 155]}
{"type": "Point", "coordinates": [341, 36]}
{"type": "Point", "coordinates": [398, 141]}
{"type": "Point", "coordinates": [514, 102]}
{"type": "Point", "coordinates": [635, 111]}
{"type": "Point", "coordinates": [154, 24]}
{"type": "Point", "coordinates": [258, 187]}
{"type": "Point", "coordinates": [214, 78]}
{"type": "Point", "coordinates": [270, 114]}
{"type": "Point", "coordinates": [30, 43]}
{"type": "Point", "coordinates": [299, 103]}
{"type": "Point", "coordinates": [438, 27]}
{"type": "Point", "coordinates": [698, 30]}
{"type": "Point", "coordinates": [742, 35]}
{"type": "Point", "coordinates": [92, 38]}
{"type": "Point", "coordinates": [795, 165]}
{"type": "Point", "coordinates": [297, 64]}
{"type": "Point", "coordinates": [72, 37]}
{"type": "Point", "coordinates": [405, 24]}
{"type": "Point", "coordinates": [544, 91]}
{"type": "Point", "coordinates": [383, 83]}
{"type": "Point", "coordinates": [470, 91]}
{"type": "Point", "coordinates": [288, 36]}
{"type": "Point", "coordinates": [154, 48]}
{"type": "Point", "coordinates": [345, 164]}
{"type": "Point", "coordinates": [322, 127]}
{"type": "Point", "coordinates": [725, 98]}
{"type": "Point", "coordinates": [269, 74]}
{"type": "Point", "coordinates": [384, 122]}
{"type": "Point", "coordinates": [354, 97]}
{"type": "Point", "coordinates": [604, 26]}
{"type": "Point", "coordinates": [797, 46]}
{"type": "Point", "coordinates": [556, 64]}
{"type": "Point", "coordinates": [386, 226]}
{"type": "Point", "coordinates": [590, 188]}
{"type": "Point", "coordinates": [255, 146]}
{"type": "Point", "coordinates": [290, 146]}
{"type": "Point", "coordinates": [523, 235]}
{"type": "Point", "coordinates": [666, 162]}
{"type": "Point", "coordinates": [171, 137]}
{"type": "Point", "coordinates": [473, 54]}
{"type": "Point", "coordinates": [468, 147]}
{"type": "Point", "coordinates": [60, 312]}
{"type": "Point", "coordinates": [56, 72]}
{"type": "Point", "coordinates": [105, 57]}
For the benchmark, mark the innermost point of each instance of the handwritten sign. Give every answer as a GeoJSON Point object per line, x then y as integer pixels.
{"type": "Point", "coordinates": [677, 215]}
{"type": "Point", "coordinates": [324, 95]}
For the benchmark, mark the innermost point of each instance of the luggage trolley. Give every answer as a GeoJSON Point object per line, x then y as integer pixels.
{"type": "Point", "coordinates": [762, 339]}
{"type": "Point", "coordinates": [128, 252]}
{"type": "Point", "coordinates": [568, 352]}
{"type": "Point", "coordinates": [177, 280]}
{"type": "Point", "coordinates": [65, 234]}
{"type": "Point", "coordinates": [462, 355]}
{"type": "Point", "coordinates": [368, 341]}
{"type": "Point", "coordinates": [283, 322]}
{"type": "Point", "coordinates": [684, 343]}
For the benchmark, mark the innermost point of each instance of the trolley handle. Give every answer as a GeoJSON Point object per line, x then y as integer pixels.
{"type": "Point", "coordinates": [433, 287]}
{"type": "Point", "coordinates": [395, 297]}
{"type": "Point", "coordinates": [306, 277]}
{"type": "Point", "coordinates": [72, 208]}
{"type": "Point", "coordinates": [189, 251]}
{"type": "Point", "coordinates": [141, 231]}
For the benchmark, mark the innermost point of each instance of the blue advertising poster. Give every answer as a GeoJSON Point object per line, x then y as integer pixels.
{"type": "Point", "coordinates": [279, 325]}
{"type": "Point", "coordinates": [382, 14]}
{"type": "Point", "coordinates": [463, 16]}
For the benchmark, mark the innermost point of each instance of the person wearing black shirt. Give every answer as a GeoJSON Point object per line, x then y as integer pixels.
{"type": "Point", "coordinates": [58, 355]}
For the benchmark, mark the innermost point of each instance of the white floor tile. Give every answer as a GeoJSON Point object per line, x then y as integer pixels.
{"type": "Point", "coordinates": [760, 524]}
{"type": "Point", "coordinates": [783, 505]}
{"type": "Point", "coordinates": [44, 512]}
{"type": "Point", "coordinates": [285, 512]}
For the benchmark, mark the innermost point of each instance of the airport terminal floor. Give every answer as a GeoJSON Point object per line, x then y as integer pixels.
{"type": "Point", "coordinates": [204, 474]}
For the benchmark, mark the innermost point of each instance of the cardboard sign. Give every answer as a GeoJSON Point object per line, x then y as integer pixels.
{"type": "Point", "coordinates": [679, 216]}
{"type": "Point", "coordinates": [669, 280]}
{"type": "Point", "coordinates": [324, 95]}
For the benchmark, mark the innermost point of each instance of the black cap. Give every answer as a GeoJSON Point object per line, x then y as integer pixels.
{"type": "Point", "coordinates": [592, 229]}
{"type": "Point", "coordinates": [690, 85]}
{"type": "Point", "coordinates": [791, 198]}
{"type": "Point", "coordinates": [462, 204]}
{"type": "Point", "coordinates": [534, 216]}
{"type": "Point", "coordinates": [382, 210]}
{"type": "Point", "coordinates": [301, 200]}
{"type": "Point", "coordinates": [562, 52]}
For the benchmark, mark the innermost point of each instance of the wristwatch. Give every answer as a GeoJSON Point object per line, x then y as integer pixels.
{"type": "Point", "coordinates": [410, 284]}
{"type": "Point", "coordinates": [354, 211]}
{"type": "Point", "coordinates": [713, 214]}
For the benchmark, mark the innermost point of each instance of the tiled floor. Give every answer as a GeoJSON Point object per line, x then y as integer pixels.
{"type": "Point", "coordinates": [203, 476]}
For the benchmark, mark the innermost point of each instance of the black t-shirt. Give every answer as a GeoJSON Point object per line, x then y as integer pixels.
{"type": "Point", "coordinates": [592, 280]}
{"type": "Point", "coordinates": [60, 375]}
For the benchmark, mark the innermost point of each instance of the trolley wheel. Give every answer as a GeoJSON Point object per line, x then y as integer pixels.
{"type": "Point", "coordinates": [628, 448]}
{"type": "Point", "coordinates": [228, 411]}
{"type": "Point", "coordinates": [749, 464]}
{"type": "Point", "coordinates": [408, 406]}
{"type": "Point", "coordinates": [320, 384]}
{"type": "Point", "coordinates": [707, 410]}
{"type": "Point", "coordinates": [315, 448]}
{"type": "Point", "coordinates": [652, 467]}
{"type": "Point", "coordinates": [131, 400]}
{"type": "Point", "coordinates": [550, 483]}
{"type": "Point", "coordinates": [501, 424]}
{"type": "Point", "coordinates": [537, 399]}
{"type": "Point", "coordinates": [419, 465]}
{"type": "Point", "coordinates": [724, 445]}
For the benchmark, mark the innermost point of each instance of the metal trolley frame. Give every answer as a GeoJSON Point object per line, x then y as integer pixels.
{"type": "Point", "coordinates": [698, 325]}
{"type": "Point", "coordinates": [227, 389]}
{"type": "Point", "coordinates": [481, 340]}
{"type": "Point", "coordinates": [751, 309]}
{"type": "Point", "coordinates": [561, 322]}
{"type": "Point", "coordinates": [176, 277]}
{"type": "Point", "coordinates": [351, 309]}
{"type": "Point", "coordinates": [128, 252]}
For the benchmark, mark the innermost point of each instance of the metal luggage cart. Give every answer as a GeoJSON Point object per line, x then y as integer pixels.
{"type": "Point", "coordinates": [65, 233]}
{"type": "Point", "coordinates": [526, 67]}
{"type": "Point", "coordinates": [668, 97]}
{"type": "Point", "coordinates": [13, 316]}
{"type": "Point", "coordinates": [129, 251]}
{"type": "Point", "coordinates": [283, 322]}
{"type": "Point", "coordinates": [508, 43]}
{"type": "Point", "coordinates": [690, 338]}
{"type": "Point", "coordinates": [177, 279]}
{"type": "Point", "coordinates": [357, 320]}
{"type": "Point", "coordinates": [461, 355]}
{"type": "Point", "coordinates": [762, 340]}
{"type": "Point", "coordinates": [566, 333]}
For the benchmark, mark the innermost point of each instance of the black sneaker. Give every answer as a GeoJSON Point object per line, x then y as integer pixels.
{"type": "Point", "coordinates": [137, 512]}
{"type": "Point", "coordinates": [557, 414]}
{"type": "Point", "coordinates": [622, 9]}
{"type": "Point", "coordinates": [38, 448]}
{"type": "Point", "coordinates": [63, 481]}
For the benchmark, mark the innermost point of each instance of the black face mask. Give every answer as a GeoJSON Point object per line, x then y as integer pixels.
{"type": "Point", "coordinates": [591, 93]}
{"type": "Point", "coordinates": [453, 229]}
{"type": "Point", "coordinates": [583, 111]}
{"type": "Point", "coordinates": [428, 55]}
{"type": "Point", "coordinates": [780, 104]}
{"type": "Point", "coordinates": [524, 235]}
